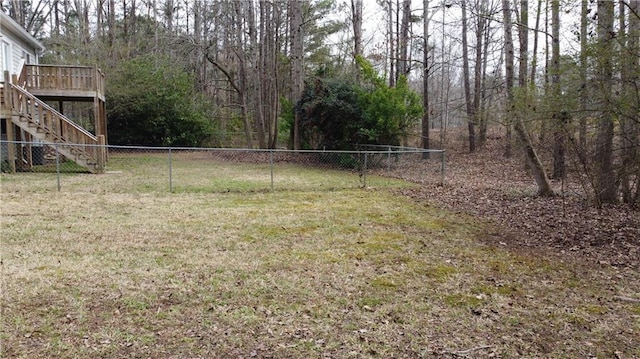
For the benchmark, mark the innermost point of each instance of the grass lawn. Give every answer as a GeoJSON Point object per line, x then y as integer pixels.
{"type": "Point", "coordinates": [203, 172]}
{"type": "Point", "coordinates": [102, 271]}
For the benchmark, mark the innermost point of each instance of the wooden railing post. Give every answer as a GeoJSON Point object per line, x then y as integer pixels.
{"type": "Point", "coordinates": [6, 92]}
{"type": "Point", "coordinates": [23, 71]}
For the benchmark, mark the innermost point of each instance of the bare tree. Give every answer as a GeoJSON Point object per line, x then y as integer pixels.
{"type": "Point", "coordinates": [560, 116]}
{"type": "Point", "coordinates": [481, 56]}
{"type": "Point", "coordinates": [605, 180]}
{"type": "Point", "coordinates": [467, 80]}
{"type": "Point", "coordinates": [391, 42]}
{"type": "Point", "coordinates": [509, 55]}
{"type": "Point", "coordinates": [356, 13]}
{"type": "Point", "coordinates": [539, 174]}
{"type": "Point", "coordinates": [425, 77]}
{"type": "Point", "coordinates": [242, 86]}
{"type": "Point", "coordinates": [297, 53]}
{"type": "Point", "coordinates": [536, 32]}
{"type": "Point", "coordinates": [488, 87]}
{"type": "Point", "coordinates": [584, 94]}
{"type": "Point", "coordinates": [403, 43]}
{"type": "Point", "coordinates": [629, 172]}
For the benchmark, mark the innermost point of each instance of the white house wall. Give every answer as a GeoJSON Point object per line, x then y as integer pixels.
{"type": "Point", "coordinates": [18, 48]}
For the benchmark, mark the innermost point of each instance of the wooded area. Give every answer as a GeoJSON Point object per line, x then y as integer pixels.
{"type": "Point", "coordinates": [564, 76]}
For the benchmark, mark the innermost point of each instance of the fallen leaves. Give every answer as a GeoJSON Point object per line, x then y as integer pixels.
{"type": "Point", "coordinates": [489, 186]}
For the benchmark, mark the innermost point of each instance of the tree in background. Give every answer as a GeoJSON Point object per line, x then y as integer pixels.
{"type": "Point", "coordinates": [531, 155]}
{"type": "Point", "coordinates": [629, 172]}
{"type": "Point", "coordinates": [297, 63]}
{"type": "Point", "coordinates": [241, 56]}
{"type": "Point", "coordinates": [424, 128]}
{"type": "Point", "coordinates": [466, 79]}
{"type": "Point", "coordinates": [605, 180]}
{"type": "Point", "coordinates": [560, 116]}
{"type": "Point", "coordinates": [388, 112]}
{"type": "Point", "coordinates": [340, 114]}
{"type": "Point", "coordinates": [330, 114]}
{"type": "Point", "coordinates": [154, 103]}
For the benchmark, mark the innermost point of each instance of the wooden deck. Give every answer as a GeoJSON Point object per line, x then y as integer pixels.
{"type": "Point", "coordinates": [24, 112]}
{"type": "Point", "coordinates": [64, 83]}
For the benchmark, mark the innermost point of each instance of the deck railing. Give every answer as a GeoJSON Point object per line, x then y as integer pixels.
{"type": "Point", "coordinates": [54, 126]}
{"type": "Point", "coordinates": [48, 119]}
{"type": "Point", "coordinates": [64, 78]}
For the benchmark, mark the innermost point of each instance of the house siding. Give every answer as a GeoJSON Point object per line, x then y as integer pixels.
{"type": "Point", "coordinates": [18, 48]}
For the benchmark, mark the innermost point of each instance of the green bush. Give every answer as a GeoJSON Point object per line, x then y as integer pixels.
{"type": "Point", "coordinates": [152, 102]}
{"type": "Point", "coordinates": [340, 114]}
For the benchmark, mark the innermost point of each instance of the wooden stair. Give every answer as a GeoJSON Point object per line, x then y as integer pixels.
{"type": "Point", "coordinates": [53, 129]}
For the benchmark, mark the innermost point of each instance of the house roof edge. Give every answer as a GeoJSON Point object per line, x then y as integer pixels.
{"type": "Point", "coordinates": [10, 24]}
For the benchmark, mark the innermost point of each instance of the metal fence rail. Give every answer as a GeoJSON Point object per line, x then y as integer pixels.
{"type": "Point", "coordinates": [179, 169]}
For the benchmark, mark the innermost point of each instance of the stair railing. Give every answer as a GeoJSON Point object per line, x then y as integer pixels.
{"type": "Point", "coordinates": [51, 122]}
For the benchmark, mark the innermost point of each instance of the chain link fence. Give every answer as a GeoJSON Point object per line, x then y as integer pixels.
{"type": "Point", "coordinates": [156, 169]}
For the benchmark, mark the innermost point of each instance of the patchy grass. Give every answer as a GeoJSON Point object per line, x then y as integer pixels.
{"type": "Point", "coordinates": [344, 273]}
{"type": "Point", "coordinates": [198, 172]}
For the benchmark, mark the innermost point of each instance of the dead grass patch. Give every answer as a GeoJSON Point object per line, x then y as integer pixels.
{"type": "Point", "coordinates": [351, 273]}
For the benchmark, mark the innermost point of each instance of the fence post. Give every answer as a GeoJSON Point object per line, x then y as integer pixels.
{"type": "Point", "coordinates": [364, 171]}
{"type": "Point", "coordinates": [271, 166]}
{"type": "Point", "coordinates": [442, 168]}
{"type": "Point", "coordinates": [57, 166]}
{"type": "Point", "coordinates": [389, 159]}
{"type": "Point", "coordinates": [170, 172]}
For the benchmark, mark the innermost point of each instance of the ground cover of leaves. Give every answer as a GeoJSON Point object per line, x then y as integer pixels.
{"type": "Point", "coordinates": [489, 186]}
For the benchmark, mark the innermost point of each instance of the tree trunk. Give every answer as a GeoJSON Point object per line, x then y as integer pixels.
{"type": "Point", "coordinates": [132, 17]}
{"type": "Point", "coordinates": [356, 12]}
{"type": "Point", "coordinates": [605, 179]}
{"type": "Point", "coordinates": [111, 20]}
{"type": "Point", "coordinates": [509, 56]}
{"type": "Point", "coordinates": [197, 36]}
{"type": "Point", "coordinates": [483, 113]}
{"type": "Point", "coordinates": [169, 14]}
{"type": "Point", "coordinates": [467, 81]}
{"type": "Point", "coordinates": [243, 78]}
{"type": "Point", "coordinates": [481, 22]}
{"type": "Point", "coordinates": [255, 66]}
{"type": "Point", "coordinates": [486, 93]}
{"type": "Point", "coordinates": [392, 57]}
{"type": "Point", "coordinates": [630, 119]}
{"type": "Point", "coordinates": [543, 126]}
{"type": "Point", "coordinates": [523, 37]}
{"type": "Point", "coordinates": [539, 174]}
{"type": "Point", "coordinates": [403, 58]}
{"type": "Point", "coordinates": [270, 29]}
{"type": "Point", "coordinates": [584, 93]}
{"type": "Point", "coordinates": [425, 79]}
{"type": "Point", "coordinates": [534, 60]}
{"type": "Point", "coordinates": [277, 49]}
{"type": "Point", "coordinates": [297, 75]}
{"type": "Point", "coordinates": [560, 117]}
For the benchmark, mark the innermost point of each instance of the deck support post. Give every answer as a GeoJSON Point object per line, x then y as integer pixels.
{"type": "Point", "coordinates": [101, 154]}
{"type": "Point", "coordinates": [11, 146]}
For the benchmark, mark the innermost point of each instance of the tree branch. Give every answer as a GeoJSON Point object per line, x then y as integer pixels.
{"type": "Point", "coordinates": [223, 70]}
